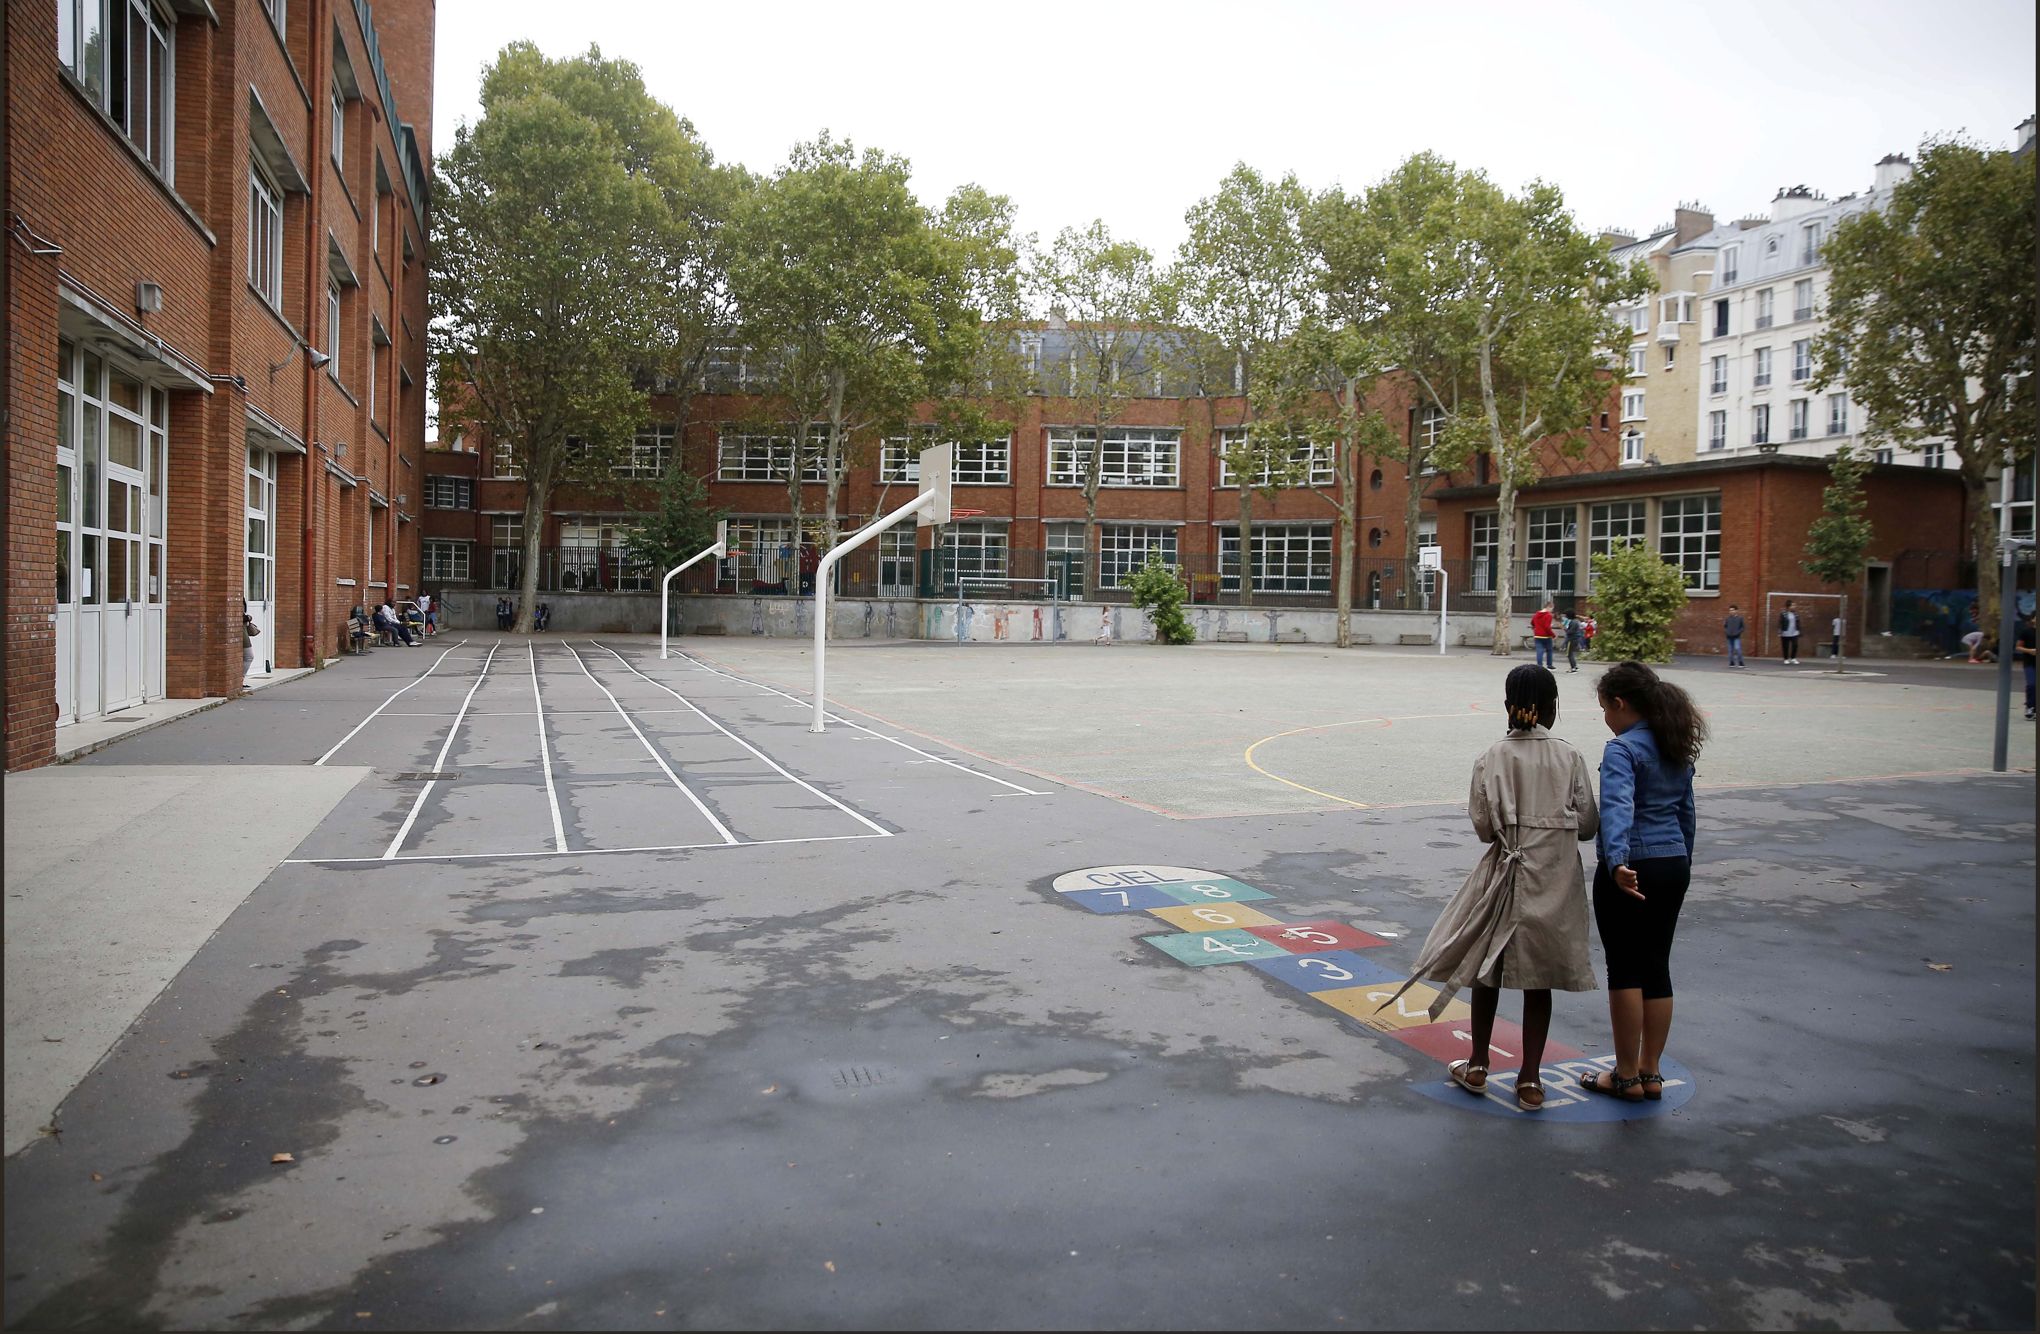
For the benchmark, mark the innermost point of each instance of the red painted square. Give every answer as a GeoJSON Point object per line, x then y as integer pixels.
{"type": "Point", "coordinates": [1452, 1040]}
{"type": "Point", "coordinates": [1317, 937]}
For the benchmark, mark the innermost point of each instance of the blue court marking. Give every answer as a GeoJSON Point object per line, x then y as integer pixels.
{"type": "Point", "coordinates": [1127, 898]}
{"type": "Point", "coordinates": [1198, 948]}
{"type": "Point", "coordinates": [1564, 1100]}
{"type": "Point", "coordinates": [1327, 971]}
{"type": "Point", "coordinates": [1220, 891]}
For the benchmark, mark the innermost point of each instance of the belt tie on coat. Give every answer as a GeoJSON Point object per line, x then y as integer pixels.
{"type": "Point", "coordinates": [1511, 858]}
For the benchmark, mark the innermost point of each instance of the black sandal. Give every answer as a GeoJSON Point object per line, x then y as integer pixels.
{"type": "Point", "coordinates": [1616, 1087]}
{"type": "Point", "coordinates": [1653, 1085]}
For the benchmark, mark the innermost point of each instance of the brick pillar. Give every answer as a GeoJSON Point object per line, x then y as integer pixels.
{"type": "Point", "coordinates": [28, 593]}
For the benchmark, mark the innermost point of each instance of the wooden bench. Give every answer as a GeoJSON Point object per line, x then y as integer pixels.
{"type": "Point", "coordinates": [1360, 639]}
{"type": "Point", "coordinates": [1231, 636]}
{"type": "Point", "coordinates": [1413, 639]}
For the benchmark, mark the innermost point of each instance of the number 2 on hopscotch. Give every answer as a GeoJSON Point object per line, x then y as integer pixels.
{"type": "Point", "coordinates": [1400, 1008]}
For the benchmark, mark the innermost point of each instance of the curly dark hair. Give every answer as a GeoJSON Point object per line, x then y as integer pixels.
{"type": "Point", "coordinates": [1670, 713]}
{"type": "Point", "coordinates": [1531, 695]}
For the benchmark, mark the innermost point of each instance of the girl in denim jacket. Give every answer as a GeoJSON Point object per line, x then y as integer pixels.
{"type": "Point", "coordinates": [1646, 860]}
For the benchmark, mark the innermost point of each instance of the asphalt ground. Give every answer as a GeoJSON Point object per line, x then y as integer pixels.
{"type": "Point", "coordinates": [837, 1052]}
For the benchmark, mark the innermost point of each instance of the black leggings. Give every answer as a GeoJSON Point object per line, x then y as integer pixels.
{"type": "Point", "coordinates": [1637, 936]}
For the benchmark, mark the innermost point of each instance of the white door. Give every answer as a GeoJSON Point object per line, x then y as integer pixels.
{"type": "Point", "coordinates": [260, 588]}
{"type": "Point", "coordinates": [125, 621]}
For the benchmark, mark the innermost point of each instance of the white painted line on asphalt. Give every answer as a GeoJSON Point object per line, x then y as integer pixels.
{"type": "Point", "coordinates": [386, 703]}
{"type": "Point", "coordinates": [577, 852]}
{"type": "Point", "coordinates": [653, 751]}
{"type": "Point", "coordinates": [777, 767]}
{"type": "Point", "coordinates": [438, 764]}
{"type": "Point", "coordinates": [848, 722]}
{"type": "Point", "coordinates": [545, 756]}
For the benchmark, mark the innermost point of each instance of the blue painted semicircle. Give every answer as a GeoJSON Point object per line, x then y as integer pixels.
{"type": "Point", "coordinates": [1564, 1100]}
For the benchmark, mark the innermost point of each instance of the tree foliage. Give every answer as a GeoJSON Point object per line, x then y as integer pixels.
{"type": "Point", "coordinates": [1838, 542]}
{"type": "Point", "coordinates": [1639, 595]}
{"type": "Point", "coordinates": [547, 226]}
{"type": "Point", "coordinates": [682, 526]}
{"type": "Point", "coordinates": [1930, 319]}
{"type": "Point", "coordinates": [1160, 592]}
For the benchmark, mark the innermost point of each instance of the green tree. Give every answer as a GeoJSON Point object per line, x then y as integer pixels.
{"type": "Point", "coordinates": [1838, 542]}
{"type": "Point", "coordinates": [1496, 306]}
{"type": "Point", "coordinates": [682, 526]}
{"type": "Point", "coordinates": [1109, 306]}
{"type": "Point", "coordinates": [542, 238]}
{"type": "Point", "coordinates": [1640, 595]}
{"type": "Point", "coordinates": [1245, 280]}
{"type": "Point", "coordinates": [1159, 591]}
{"type": "Point", "coordinates": [1930, 321]}
{"type": "Point", "coordinates": [857, 302]}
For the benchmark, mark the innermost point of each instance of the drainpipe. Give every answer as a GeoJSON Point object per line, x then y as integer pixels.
{"type": "Point", "coordinates": [321, 133]}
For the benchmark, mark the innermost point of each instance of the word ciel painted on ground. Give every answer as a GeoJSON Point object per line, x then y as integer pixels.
{"type": "Point", "coordinates": [1324, 961]}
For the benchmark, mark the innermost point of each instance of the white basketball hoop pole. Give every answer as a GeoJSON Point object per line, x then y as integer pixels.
{"type": "Point", "coordinates": [931, 507]}
{"type": "Point", "coordinates": [719, 550]}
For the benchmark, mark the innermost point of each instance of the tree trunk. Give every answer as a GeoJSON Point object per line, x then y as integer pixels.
{"type": "Point", "coordinates": [1505, 522]}
{"type": "Point", "coordinates": [1349, 553]}
{"type": "Point", "coordinates": [535, 498]}
{"type": "Point", "coordinates": [1983, 533]}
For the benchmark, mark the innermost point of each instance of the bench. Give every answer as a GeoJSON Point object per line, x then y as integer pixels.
{"type": "Point", "coordinates": [1231, 636]}
{"type": "Point", "coordinates": [708, 630]}
{"type": "Point", "coordinates": [1413, 639]}
{"type": "Point", "coordinates": [1357, 639]}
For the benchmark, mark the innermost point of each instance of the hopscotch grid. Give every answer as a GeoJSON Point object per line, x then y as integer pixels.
{"type": "Point", "coordinates": [386, 703]}
{"type": "Point", "coordinates": [552, 796]}
{"type": "Point", "coordinates": [849, 722]}
{"type": "Point", "coordinates": [778, 768]}
{"type": "Point", "coordinates": [438, 765]}
{"type": "Point", "coordinates": [653, 751]}
{"type": "Point", "coordinates": [577, 852]}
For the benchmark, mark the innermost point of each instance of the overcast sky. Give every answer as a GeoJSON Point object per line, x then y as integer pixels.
{"type": "Point", "coordinates": [1132, 112]}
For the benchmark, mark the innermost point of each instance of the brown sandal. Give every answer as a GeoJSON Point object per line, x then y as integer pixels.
{"type": "Point", "coordinates": [1460, 1070]}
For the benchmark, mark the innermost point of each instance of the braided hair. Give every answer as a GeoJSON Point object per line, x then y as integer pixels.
{"type": "Point", "coordinates": [1531, 695]}
{"type": "Point", "coordinates": [1670, 713]}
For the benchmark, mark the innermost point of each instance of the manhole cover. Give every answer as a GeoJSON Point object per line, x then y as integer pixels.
{"type": "Point", "coordinates": [426, 776]}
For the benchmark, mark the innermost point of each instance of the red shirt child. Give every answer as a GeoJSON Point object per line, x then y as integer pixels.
{"type": "Point", "coordinates": [1540, 623]}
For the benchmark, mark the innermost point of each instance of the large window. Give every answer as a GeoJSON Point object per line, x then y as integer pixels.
{"type": "Point", "coordinates": [1809, 242]}
{"type": "Point", "coordinates": [1550, 537]}
{"type": "Point", "coordinates": [592, 556]}
{"type": "Point", "coordinates": [1288, 558]}
{"type": "Point", "coordinates": [1632, 405]}
{"type": "Point", "coordinates": [122, 52]}
{"type": "Point", "coordinates": [975, 554]}
{"type": "Point", "coordinates": [1639, 361]}
{"type": "Point", "coordinates": [975, 463]}
{"type": "Point", "coordinates": [503, 460]}
{"type": "Point", "coordinates": [506, 559]}
{"type": "Point", "coordinates": [1484, 533]}
{"type": "Point", "coordinates": [1065, 558]}
{"type": "Point", "coordinates": [1311, 465]}
{"type": "Point", "coordinates": [1609, 524]}
{"type": "Point", "coordinates": [1760, 372]}
{"type": "Point", "coordinates": [1799, 419]}
{"type": "Point", "coordinates": [1717, 430]}
{"type": "Point", "coordinates": [1721, 318]}
{"type": "Point", "coordinates": [1802, 299]}
{"type": "Point", "coordinates": [1838, 414]}
{"type": "Point", "coordinates": [760, 456]}
{"type": "Point", "coordinates": [265, 234]}
{"type": "Point", "coordinates": [1760, 424]}
{"type": "Point", "coordinates": [1124, 547]}
{"type": "Point", "coordinates": [1717, 375]}
{"type": "Point", "coordinates": [1132, 456]}
{"type": "Point", "coordinates": [449, 493]}
{"type": "Point", "coordinates": [444, 562]}
{"type": "Point", "coordinates": [1767, 304]}
{"type": "Point", "coordinates": [651, 453]}
{"type": "Point", "coordinates": [1802, 360]}
{"type": "Point", "coordinates": [1689, 536]}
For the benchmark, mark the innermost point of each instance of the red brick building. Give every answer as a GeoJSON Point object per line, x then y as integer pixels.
{"type": "Point", "coordinates": [215, 371]}
{"type": "Point", "coordinates": [1736, 527]}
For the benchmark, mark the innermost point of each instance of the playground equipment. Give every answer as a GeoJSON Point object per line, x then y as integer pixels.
{"type": "Point", "coordinates": [719, 550]}
{"type": "Point", "coordinates": [929, 508]}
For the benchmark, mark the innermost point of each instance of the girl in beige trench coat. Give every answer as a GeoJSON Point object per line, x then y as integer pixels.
{"type": "Point", "coordinates": [1520, 920]}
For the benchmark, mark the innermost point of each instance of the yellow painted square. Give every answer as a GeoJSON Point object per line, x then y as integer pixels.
{"type": "Point", "coordinates": [1214, 917]}
{"type": "Point", "coordinates": [1409, 1010]}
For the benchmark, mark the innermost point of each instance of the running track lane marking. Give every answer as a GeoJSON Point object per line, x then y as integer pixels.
{"type": "Point", "coordinates": [837, 718]}
{"type": "Point", "coordinates": [873, 826]}
{"type": "Point", "coordinates": [438, 764]}
{"type": "Point", "coordinates": [545, 755]}
{"type": "Point", "coordinates": [577, 852]}
{"type": "Point", "coordinates": [386, 703]}
{"type": "Point", "coordinates": [706, 814]}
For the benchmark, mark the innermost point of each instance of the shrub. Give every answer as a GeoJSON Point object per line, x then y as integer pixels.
{"type": "Point", "coordinates": [1157, 591]}
{"type": "Point", "coordinates": [1638, 596]}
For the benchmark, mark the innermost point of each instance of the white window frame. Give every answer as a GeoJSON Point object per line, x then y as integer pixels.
{"type": "Point", "coordinates": [1689, 538]}
{"type": "Point", "coordinates": [265, 233]}
{"type": "Point", "coordinates": [1632, 446]}
{"type": "Point", "coordinates": [651, 453]}
{"type": "Point", "coordinates": [1483, 545]}
{"type": "Point", "coordinates": [1838, 414]}
{"type": "Point", "coordinates": [1612, 521]}
{"type": "Point", "coordinates": [1717, 376]}
{"type": "Point", "coordinates": [1767, 307]}
{"type": "Point", "coordinates": [1811, 236]}
{"type": "Point", "coordinates": [1123, 548]}
{"type": "Point", "coordinates": [339, 136]}
{"type": "Point", "coordinates": [765, 456]}
{"type": "Point", "coordinates": [503, 462]}
{"type": "Point", "coordinates": [1802, 360]}
{"type": "Point", "coordinates": [445, 561]}
{"type": "Point", "coordinates": [1731, 265]}
{"type": "Point", "coordinates": [1550, 537]}
{"type": "Point", "coordinates": [1639, 361]}
{"type": "Point", "coordinates": [333, 328]}
{"type": "Point", "coordinates": [1717, 430]}
{"type": "Point", "coordinates": [1760, 368]}
{"type": "Point", "coordinates": [1288, 558]}
{"type": "Point", "coordinates": [1802, 311]}
{"type": "Point", "coordinates": [1632, 405]}
{"type": "Point", "coordinates": [971, 463]}
{"type": "Point", "coordinates": [1134, 456]}
{"type": "Point", "coordinates": [1760, 424]}
{"type": "Point", "coordinates": [1317, 462]}
{"type": "Point", "coordinates": [149, 122]}
{"type": "Point", "coordinates": [975, 550]}
{"type": "Point", "coordinates": [443, 492]}
{"type": "Point", "coordinates": [1798, 419]}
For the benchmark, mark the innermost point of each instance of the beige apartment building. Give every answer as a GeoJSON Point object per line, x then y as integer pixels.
{"type": "Point", "coordinates": [1661, 395]}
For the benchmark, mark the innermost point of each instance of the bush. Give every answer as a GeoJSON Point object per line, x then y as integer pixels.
{"type": "Point", "coordinates": [1157, 591]}
{"type": "Point", "coordinates": [1638, 596]}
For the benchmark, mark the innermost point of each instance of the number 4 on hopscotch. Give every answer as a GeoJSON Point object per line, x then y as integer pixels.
{"type": "Point", "coordinates": [1221, 947]}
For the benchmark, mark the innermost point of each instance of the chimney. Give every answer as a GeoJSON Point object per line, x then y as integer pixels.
{"type": "Point", "coordinates": [1793, 200]}
{"type": "Point", "coordinates": [1690, 222]}
{"type": "Point", "coordinates": [1892, 170]}
{"type": "Point", "coordinates": [2024, 134]}
{"type": "Point", "coordinates": [1611, 238]}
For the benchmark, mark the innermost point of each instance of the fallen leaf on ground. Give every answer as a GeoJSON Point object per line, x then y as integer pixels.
{"type": "Point", "coordinates": [829, 1265]}
{"type": "Point", "coordinates": [1940, 967]}
{"type": "Point", "coordinates": [282, 1157]}
{"type": "Point", "coordinates": [773, 1089]}
{"type": "Point", "coordinates": [97, 1177]}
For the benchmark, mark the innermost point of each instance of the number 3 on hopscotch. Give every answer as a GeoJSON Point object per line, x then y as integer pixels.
{"type": "Point", "coordinates": [1333, 972]}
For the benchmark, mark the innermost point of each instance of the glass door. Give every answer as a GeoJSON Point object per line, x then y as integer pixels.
{"type": "Point", "coordinates": [260, 585]}
{"type": "Point", "coordinates": [126, 620]}
{"type": "Point", "coordinates": [67, 533]}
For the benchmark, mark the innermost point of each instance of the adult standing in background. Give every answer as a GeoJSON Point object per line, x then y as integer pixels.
{"type": "Point", "coordinates": [1788, 635]}
{"type": "Point", "coordinates": [1575, 632]}
{"type": "Point", "coordinates": [1540, 634]}
{"type": "Point", "coordinates": [430, 611]}
{"type": "Point", "coordinates": [1732, 631]}
{"type": "Point", "coordinates": [2023, 651]}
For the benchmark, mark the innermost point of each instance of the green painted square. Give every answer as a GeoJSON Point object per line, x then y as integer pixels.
{"type": "Point", "coordinates": [1198, 948]}
{"type": "Point", "coordinates": [1218, 890]}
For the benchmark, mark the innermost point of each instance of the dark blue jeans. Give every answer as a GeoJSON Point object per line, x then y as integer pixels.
{"type": "Point", "coordinates": [1544, 654]}
{"type": "Point", "coordinates": [1735, 651]}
